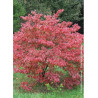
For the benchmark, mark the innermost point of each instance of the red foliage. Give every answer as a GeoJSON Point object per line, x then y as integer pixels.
{"type": "Point", "coordinates": [41, 45]}
{"type": "Point", "coordinates": [26, 86]}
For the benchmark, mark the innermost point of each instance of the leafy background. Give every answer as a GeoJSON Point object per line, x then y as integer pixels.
{"type": "Point", "coordinates": [73, 10]}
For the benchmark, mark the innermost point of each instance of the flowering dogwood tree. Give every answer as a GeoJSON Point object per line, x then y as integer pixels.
{"type": "Point", "coordinates": [48, 51]}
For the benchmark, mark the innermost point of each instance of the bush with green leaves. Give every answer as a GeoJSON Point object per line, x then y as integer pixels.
{"type": "Point", "coordinates": [72, 8]}
{"type": "Point", "coordinates": [37, 5]}
{"type": "Point", "coordinates": [18, 10]}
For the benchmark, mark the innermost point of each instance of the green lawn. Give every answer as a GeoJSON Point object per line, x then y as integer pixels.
{"type": "Point", "coordinates": [18, 93]}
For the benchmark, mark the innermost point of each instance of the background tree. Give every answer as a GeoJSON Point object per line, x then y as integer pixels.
{"type": "Point", "coordinates": [18, 10]}
{"type": "Point", "coordinates": [73, 10]}
{"type": "Point", "coordinates": [37, 5]}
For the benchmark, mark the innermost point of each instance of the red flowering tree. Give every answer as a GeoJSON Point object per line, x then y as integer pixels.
{"type": "Point", "coordinates": [48, 51]}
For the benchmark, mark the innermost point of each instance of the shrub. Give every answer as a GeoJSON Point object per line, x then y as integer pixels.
{"type": "Point", "coordinates": [72, 8]}
{"type": "Point", "coordinates": [37, 5]}
{"type": "Point", "coordinates": [48, 51]}
{"type": "Point", "coordinates": [18, 10]}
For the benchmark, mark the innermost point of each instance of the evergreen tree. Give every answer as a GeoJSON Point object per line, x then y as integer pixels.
{"type": "Point", "coordinates": [18, 10]}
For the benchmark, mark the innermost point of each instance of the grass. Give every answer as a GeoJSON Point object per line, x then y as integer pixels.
{"type": "Point", "coordinates": [37, 93]}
